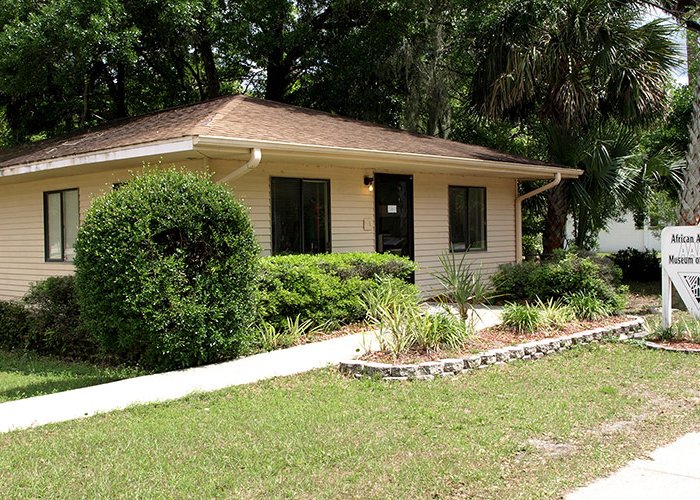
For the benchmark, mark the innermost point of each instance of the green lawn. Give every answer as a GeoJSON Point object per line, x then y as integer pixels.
{"type": "Point", "coordinates": [527, 429]}
{"type": "Point", "coordinates": [23, 375]}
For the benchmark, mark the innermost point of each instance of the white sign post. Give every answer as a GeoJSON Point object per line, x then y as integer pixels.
{"type": "Point", "coordinates": [680, 266]}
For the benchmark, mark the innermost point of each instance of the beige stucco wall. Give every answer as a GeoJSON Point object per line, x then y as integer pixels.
{"type": "Point", "coordinates": [352, 216]}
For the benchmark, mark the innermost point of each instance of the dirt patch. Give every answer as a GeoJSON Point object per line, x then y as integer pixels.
{"type": "Point", "coordinates": [679, 344]}
{"type": "Point", "coordinates": [609, 428]}
{"type": "Point", "coordinates": [551, 448]}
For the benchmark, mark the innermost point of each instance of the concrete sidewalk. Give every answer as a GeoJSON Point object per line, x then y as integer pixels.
{"type": "Point", "coordinates": [79, 403]}
{"type": "Point", "coordinates": [672, 471]}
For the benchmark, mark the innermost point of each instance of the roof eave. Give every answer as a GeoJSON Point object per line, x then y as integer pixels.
{"type": "Point", "coordinates": [524, 171]}
{"type": "Point", "coordinates": [137, 151]}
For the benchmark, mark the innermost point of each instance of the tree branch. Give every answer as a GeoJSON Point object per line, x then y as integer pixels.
{"type": "Point", "coordinates": [690, 24]}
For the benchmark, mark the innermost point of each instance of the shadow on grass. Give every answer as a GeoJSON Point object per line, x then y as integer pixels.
{"type": "Point", "coordinates": [643, 296]}
{"type": "Point", "coordinates": [23, 375]}
{"type": "Point", "coordinates": [51, 386]}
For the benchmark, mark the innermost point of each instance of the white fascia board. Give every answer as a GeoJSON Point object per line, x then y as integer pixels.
{"type": "Point", "coordinates": [517, 170]}
{"type": "Point", "coordinates": [159, 148]}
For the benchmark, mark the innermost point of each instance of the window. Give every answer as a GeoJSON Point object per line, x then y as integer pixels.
{"type": "Point", "coordinates": [467, 215]}
{"type": "Point", "coordinates": [61, 219]}
{"type": "Point", "coordinates": [300, 215]}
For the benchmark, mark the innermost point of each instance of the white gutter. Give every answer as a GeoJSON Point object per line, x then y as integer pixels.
{"type": "Point", "coordinates": [254, 161]}
{"type": "Point", "coordinates": [158, 148]}
{"type": "Point", "coordinates": [206, 145]}
{"type": "Point", "coordinates": [519, 214]}
{"type": "Point", "coordinates": [522, 170]}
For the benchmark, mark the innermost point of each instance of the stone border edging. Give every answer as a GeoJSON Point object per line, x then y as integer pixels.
{"type": "Point", "coordinates": [661, 347]}
{"type": "Point", "coordinates": [633, 329]}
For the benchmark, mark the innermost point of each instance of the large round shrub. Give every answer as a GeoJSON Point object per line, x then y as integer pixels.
{"type": "Point", "coordinates": [166, 271]}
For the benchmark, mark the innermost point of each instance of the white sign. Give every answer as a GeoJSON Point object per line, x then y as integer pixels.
{"type": "Point", "coordinates": [680, 265]}
{"type": "Point", "coordinates": [391, 209]}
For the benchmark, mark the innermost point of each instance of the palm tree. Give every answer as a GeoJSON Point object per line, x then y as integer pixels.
{"type": "Point", "coordinates": [571, 64]}
{"type": "Point", "coordinates": [686, 12]}
{"type": "Point", "coordinates": [690, 191]}
{"type": "Point", "coordinates": [620, 175]}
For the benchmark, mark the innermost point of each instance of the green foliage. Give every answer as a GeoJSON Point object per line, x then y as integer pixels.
{"type": "Point", "coordinates": [402, 326]}
{"type": "Point", "coordinates": [523, 318]}
{"type": "Point", "coordinates": [461, 285]}
{"type": "Point", "coordinates": [587, 306]}
{"type": "Point", "coordinates": [441, 330]}
{"type": "Point", "coordinates": [54, 320]}
{"type": "Point", "coordinates": [327, 287]}
{"type": "Point", "coordinates": [166, 269]}
{"type": "Point", "coordinates": [549, 314]}
{"type": "Point", "coordinates": [564, 275]}
{"type": "Point", "coordinates": [684, 328]}
{"type": "Point", "coordinates": [13, 325]}
{"type": "Point", "coordinates": [554, 313]}
{"type": "Point", "coordinates": [662, 210]}
{"type": "Point", "coordinates": [637, 265]}
{"type": "Point", "coordinates": [388, 291]}
{"type": "Point", "coordinates": [269, 337]}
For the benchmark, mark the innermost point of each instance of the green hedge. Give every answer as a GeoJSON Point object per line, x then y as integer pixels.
{"type": "Point", "coordinates": [47, 321]}
{"type": "Point", "coordinates": [166, 269]}
{"type": "Point", "coordinates": [53, 320]}
{"type": "Point", "coordinates": [324, 288]}
{"type": "Point", "coordinates": [637, 265]}
{"type": "Point", "coordinates": [13, 325]}
{"type": "Point", "coordinates": [564, 276]}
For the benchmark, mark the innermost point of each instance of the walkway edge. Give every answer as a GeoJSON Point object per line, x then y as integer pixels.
{"type": "Point", "coordinates": [93, 400]}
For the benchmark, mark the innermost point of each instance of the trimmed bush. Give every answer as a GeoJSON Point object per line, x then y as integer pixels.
{"type": "Point", "coordinates": [324, 288]}
{"type": "Point", "coordinates": [565, 275]}
{"type": "Point", "coordinates": [54, 320]}
{"type": "Point", "coordinates": [637, 265]}
{"type": "Point", "coordinates": [166, 270]}
{"type": "Point", "coordinates": [13, 325]}
{"type": "Point", "coordinates": [523, 318]}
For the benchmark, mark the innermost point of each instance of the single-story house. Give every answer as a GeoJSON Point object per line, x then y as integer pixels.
{"type": "Point", "coordinates": [314, 182]}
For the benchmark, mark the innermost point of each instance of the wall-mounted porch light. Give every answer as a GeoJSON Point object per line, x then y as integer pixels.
{"type": "Point", "coordinates": [369, 182]}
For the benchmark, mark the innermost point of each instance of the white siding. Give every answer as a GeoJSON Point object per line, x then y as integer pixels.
{"type": "Point", "coordinates": [352, 217]}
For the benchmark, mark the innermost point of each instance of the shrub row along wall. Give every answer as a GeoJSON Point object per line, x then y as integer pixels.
{"type": "Point", "coordinates": [527, 351]}
{"type": "Point", "coordinates": [324, 288]}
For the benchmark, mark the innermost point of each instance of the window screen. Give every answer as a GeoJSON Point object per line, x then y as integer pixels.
{"type": "Point", "coordinates": [467, 218]}
{"type": "Point", "coordinates": [300, 215]}
{"type": "Point", "coordinates": [61, 220]}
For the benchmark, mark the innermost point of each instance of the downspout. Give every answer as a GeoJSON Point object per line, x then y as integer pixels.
{"type": "Point", "coordinates": [519, 214]}
{"type": "Point", "coordinates": [254, 161]}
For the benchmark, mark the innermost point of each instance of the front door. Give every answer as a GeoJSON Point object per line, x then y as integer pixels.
{"type": "Point", "coordinates": [393, 208]}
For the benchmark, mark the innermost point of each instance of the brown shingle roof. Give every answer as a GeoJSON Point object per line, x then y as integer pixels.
{"type": "Point", "coordinates": [243, 117]}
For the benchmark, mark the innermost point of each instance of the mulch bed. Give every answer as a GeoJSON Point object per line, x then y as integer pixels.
{"type": "Point", "coordinates": [679, 344]}
{"type": "Point", "coordinates": [344, 330]}
{"type": "Point", "coordinates": [492, 338]}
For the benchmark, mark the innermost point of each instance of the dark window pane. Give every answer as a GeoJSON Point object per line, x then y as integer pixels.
{"type": "Point", "coordinates": [61, 218]}
{"type": "Point", "coordinates": [477, 219]}
{"type": "Point", "coordinates": [71, 220]}
{"type": "Point", "coordinates": [54, 243]}
{"type": "Point", "coordinates": [458, 219]}
{"type": "Point", "coordinates": [300, 216]}
{"type": "Point", "coordinates": [286, 225]}
{"type": "Point", "coordinates": [467, 218]}
{"type": "Point", "coordinates": [315, 216]}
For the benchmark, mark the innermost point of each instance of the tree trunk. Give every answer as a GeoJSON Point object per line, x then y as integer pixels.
{"type": "Point", "coordinates": [210, 72]}
{"type": "Point", "coordinates": [117, 89]}
{"type": "Point", "coordinates": [554, 234]}
{"type": "Point", "coordinates": [690, 192]}
{"type": "Point", "coordinates": [277, 76]}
